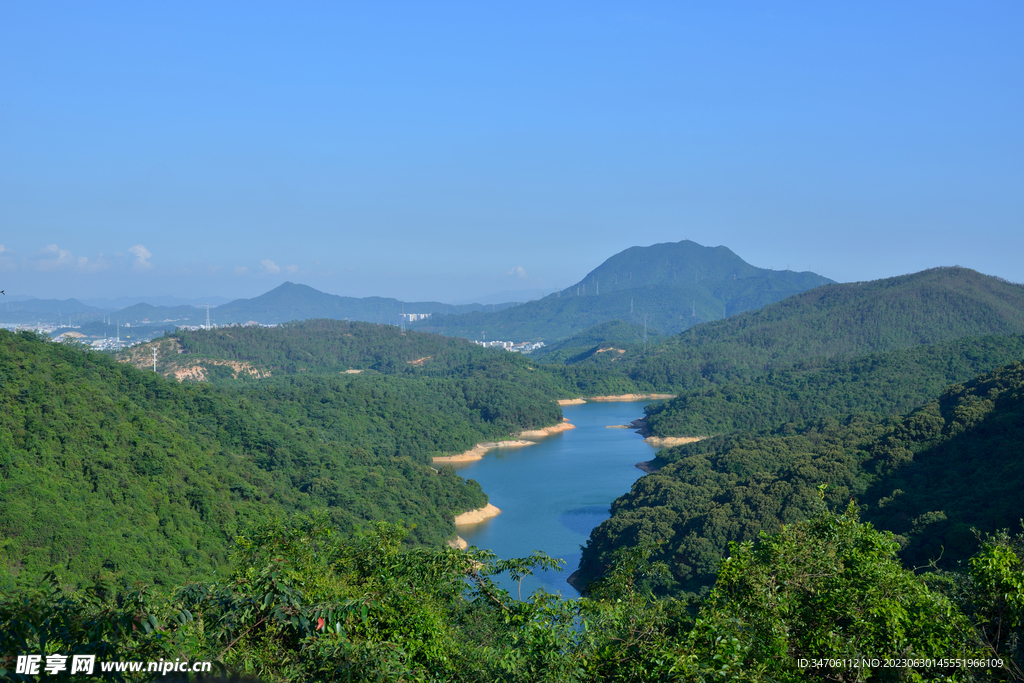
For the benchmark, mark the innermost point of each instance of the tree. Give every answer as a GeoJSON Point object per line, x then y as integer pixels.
{"type": "Point", "coordinates": [832, 587]}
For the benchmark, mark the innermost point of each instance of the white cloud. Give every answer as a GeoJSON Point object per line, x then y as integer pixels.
{"type": "Point", "coordinates": [241, 270]}
{"type": "Point", "coordinates": [2, 249]}
{"type": "Point", "coordinates": [141, 255]}
{"type": "Point", "coordinates": [52, 258]}
{"type": "Point", "coordinates": [270, 267]}
{"type": "Point", "coordinates": [519, 272]}
{"type": "Point", "coordinates": [291, 269]}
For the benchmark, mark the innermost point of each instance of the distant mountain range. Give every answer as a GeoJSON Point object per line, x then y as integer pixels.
{"type": "Point", "coordinates": [664, 289]}
{"type": "Point", "coordinates": [667, 287]}
{"type": "Point", "coordinates": [287, 302]}
{"type": "Point", "coordinates": [291, 301]}
{"type": "Point", "coordinates": [28, 311]}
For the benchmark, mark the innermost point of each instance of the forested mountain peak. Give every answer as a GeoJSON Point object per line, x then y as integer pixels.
{"type": "Point", "coordinates": [680, 263]}
{"type": "Point", "coordinates": [839, 321]}
{"type": "Point", "coordinates": [668, 287]}
{"type": "Point", "coordinates": [920, 308]}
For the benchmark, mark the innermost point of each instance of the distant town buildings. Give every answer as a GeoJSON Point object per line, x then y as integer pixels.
{"type": "Point", "coordinates": [214, 326]}
{"type": "Point", "coordinates": [520, 347]}
{"type": "Point", "coordinates": [110, 344]}
{"type": "Point", "coordinates": [413, 317]}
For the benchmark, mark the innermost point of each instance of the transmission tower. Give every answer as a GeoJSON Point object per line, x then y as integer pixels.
{"type": "Point", "coordinates": [207, 315]}
{"type": "Point", "coordinates": [154, 359]}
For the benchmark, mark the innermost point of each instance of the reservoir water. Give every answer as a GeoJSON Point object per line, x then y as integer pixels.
{"type": "Point", "coordinates": [552, 494]}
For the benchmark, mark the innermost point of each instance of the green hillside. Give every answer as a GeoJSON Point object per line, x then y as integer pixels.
{"type": "Point", "coordinates": [333, 347]}
{"type": "Point", "coordinates": [956, 463]}
{"type": "Point", "coordinates": [892, 382]}
{"type": "Point", "coordinates": [322, 346]}
{"type": "Point", "coordinates": [608, 342]}
{"type": "Point", "coordinates": [837, 321]}
{"type": "Point", "coordinates": [111, 471]}
{"type": "Point", "coordinates": [107, 467]}
{"type": "Point", "coordinates": [672, 286]}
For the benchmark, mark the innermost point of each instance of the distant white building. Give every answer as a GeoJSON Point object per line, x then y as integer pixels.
{"type": "Point", "coordinates": [520, 347]}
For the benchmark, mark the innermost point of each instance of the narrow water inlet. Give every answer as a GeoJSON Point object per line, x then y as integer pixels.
{"type": "Point", "coordinates": [553, 494]}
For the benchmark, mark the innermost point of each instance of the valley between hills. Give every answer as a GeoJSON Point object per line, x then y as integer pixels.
{"type": "Point", "coordinates": [844, 476]}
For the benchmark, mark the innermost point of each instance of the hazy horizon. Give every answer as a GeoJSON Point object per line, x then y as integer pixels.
{"type": "Point", "coordinates": [454, 153]}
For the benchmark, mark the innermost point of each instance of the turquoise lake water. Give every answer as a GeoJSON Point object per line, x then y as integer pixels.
{"type": "Point", "coordinates": [552, 494]}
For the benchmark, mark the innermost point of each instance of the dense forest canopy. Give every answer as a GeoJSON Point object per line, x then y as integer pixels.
{"type": "Point", "coordinates": [105, 466]}
{"type": "Point", "coordinates": [334, 347]}
{"type": "Point", "coordinates": [837, 321]}
{"type": "Point", "coordinates": [950, 466]}
{"type": "Point", "coordinates": [822, 600]}
{"type": "Point", "coordinates": [891, 382]}
{"type": "Point", "coordinates": [286, 519]}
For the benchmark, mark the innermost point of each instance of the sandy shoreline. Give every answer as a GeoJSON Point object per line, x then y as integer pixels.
{"type": "Point", "coordinates": [632, 397]}
{"type": "Point", "coordinates": [526, 439]}
{"type": "Point", "coordinates": [547, 431]}
{"type": "Point", "coordinates": [617, 397]}
{"type": "Point", "coordinates": [477, 516]}
{"type": "Point", "coordinates": [668, 441]}
{"type": "Point", "coordinates": [478, 451]}
{"type": "Point", "coordinates": [458, 542]}
{"type": "Point", "coordinates": [661, 441]}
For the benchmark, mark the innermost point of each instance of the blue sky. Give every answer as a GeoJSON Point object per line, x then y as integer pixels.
{"type": "Point", "coordinates": [450, 150]}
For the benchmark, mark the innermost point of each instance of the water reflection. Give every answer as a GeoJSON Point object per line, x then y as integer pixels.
{"type": "Point", "coordinates": [583, 519]}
